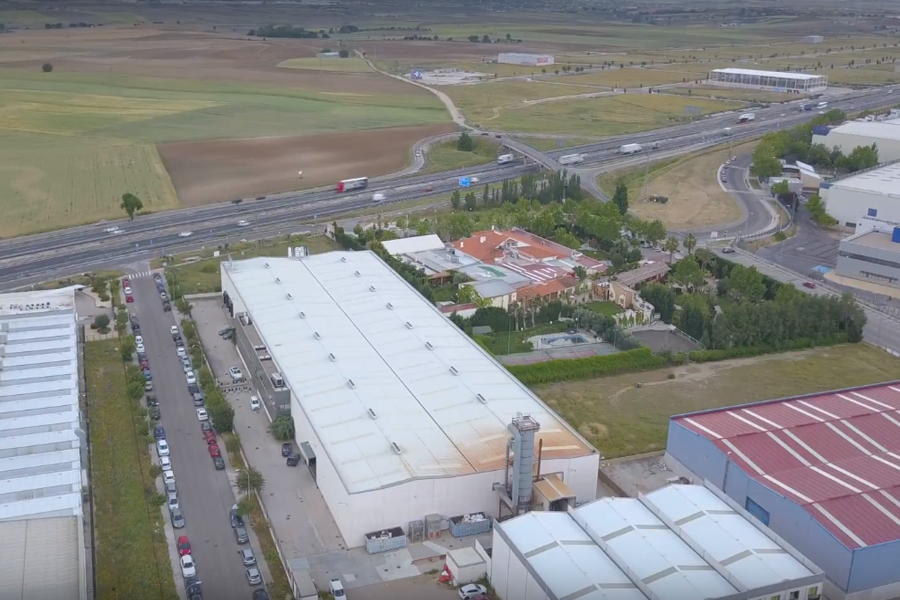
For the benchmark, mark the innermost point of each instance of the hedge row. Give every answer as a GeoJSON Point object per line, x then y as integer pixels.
{"type": "Point", "coordinates": [640, 359]}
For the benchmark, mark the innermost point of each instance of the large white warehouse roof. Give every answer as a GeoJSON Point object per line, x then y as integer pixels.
{"type": "Point", "coordinates": [757, 73]}
{"type": "Point", "coordinates": [885, 180]}
{"type": "Point", "coordinates": [393, 389]}
{"type": "Point", "coordinates": [877, 130]}
{"type": "Point", "coordinates": [746, 553]}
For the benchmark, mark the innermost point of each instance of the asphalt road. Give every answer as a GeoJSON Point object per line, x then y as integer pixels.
{"type": "Point", "coordinates": [810, 248]}
{"type": "Point", "coordinates": [205, 495]}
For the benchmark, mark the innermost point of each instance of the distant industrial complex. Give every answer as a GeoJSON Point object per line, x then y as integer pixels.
{"type": "Point", "coordinates": [775, 81]}
{"type": "Point", "coordinates": [531, 60]}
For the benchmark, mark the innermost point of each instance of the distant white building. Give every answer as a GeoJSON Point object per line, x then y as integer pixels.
{"type": "Point", "coordinates": [518, 58]}
{"type": "Point", "coordinates": [853, 134]}
{"type": "Point", "coordinates": [812, 39]}
{"type": "Point", "coordinates": [775, 81]}
{"type": "Point", "coordinates": [872, 193]}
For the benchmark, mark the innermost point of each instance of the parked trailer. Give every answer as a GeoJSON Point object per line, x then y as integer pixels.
{"type": "Point", "coordinates": [505, 158]}
{"type": "Point", "coordinates": [359, 183]}
{"type": "Point", "coordinates": [630, 149]}
{"type": "Point", "coordinates": [746, 118]}
{"type": "Point", "coordinates": [571, 159]}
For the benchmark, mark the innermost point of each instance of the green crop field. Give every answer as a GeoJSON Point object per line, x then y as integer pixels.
{"type": "Point", "coordinates": [346, 65]}
{"type": "Point", "coordinates": [609, 115]}
{"type": "Point", "coordinates": [71, 145]}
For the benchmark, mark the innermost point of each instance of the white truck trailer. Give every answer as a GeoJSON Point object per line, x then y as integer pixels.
{"type": "Point", "coordinates": [505, 158]}
{"type": "Point", "coordinates": [571, 159]}
{"type": "Point", "coordinates": [630, 149]}
{"type": "Point", "coordinates": [746, 118]}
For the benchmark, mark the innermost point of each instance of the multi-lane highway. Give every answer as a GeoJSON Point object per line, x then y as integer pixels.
{"type": "Point", "coordinates": [82, 248]}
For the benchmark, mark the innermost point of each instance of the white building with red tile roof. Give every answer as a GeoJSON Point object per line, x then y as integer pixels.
{"type": "Point", "coordinates": [822, 470]}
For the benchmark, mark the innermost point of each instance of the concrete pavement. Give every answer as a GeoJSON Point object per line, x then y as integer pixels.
{"type": "Point", "coordinates": [205, 495]}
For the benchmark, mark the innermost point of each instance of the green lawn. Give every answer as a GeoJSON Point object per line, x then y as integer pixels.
{"type": "Point", "coordinates": [202, 276]}
{"type": "Point", "coordinates": [132, 553]}
{"type": "Point", "coordinates": [621, 419]}
{"type": "Point", "coordinates": [445, 156]}
{"type": "Point", "coordinates": [502, 342]}
{"type": "Point", "coordinates": [550, 144]}
{"type": "Point", "coordinates": [346, 65]}
{"type": "Point", "coordinates": [609, 309]}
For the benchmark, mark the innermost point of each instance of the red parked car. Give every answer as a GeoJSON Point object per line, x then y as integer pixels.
{"type": "Point", "coordinates": [184, 545]}
{"type": "Point", "coordinates": [126, 282]}
{"type": "Point", "coordinates": [145, 364]}
{"type": "Point", "coordinates": [129, 299]}
{"type": "Point", "coordinates": [214, 450]}
{"type": "Point", "coordinates": [210, 437]}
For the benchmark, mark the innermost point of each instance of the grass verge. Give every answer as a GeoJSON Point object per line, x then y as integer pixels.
{"type": "Point", "coordinates": [279, 587]}
{"type": "Point", "coordinates": [513, 342]}
{"type": "Point", "coordinates": [202, 276]}
{"type": "Point", "coordinates": [445, 156]}
{"type": "Point", "coordinates": [609, 309]}
{"type": "Point", "coordinates": [621, 419]}
{"type": "Point", "coordinates": [132, 552]}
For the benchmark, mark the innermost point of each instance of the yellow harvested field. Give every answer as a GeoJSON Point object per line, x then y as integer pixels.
{"type": "Point", "coordinates": [607, 115]}
{"type": "Point", "coordinates": [74, 114]}
{"type": "Point", "coordinates": [48, 182]}
{"type": "Point", "coordinates": [690, 184]}
{"type": "Point", "coordinates": [346, 65]}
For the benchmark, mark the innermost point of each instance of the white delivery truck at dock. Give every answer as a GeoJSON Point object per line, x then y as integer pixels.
{"type": "Point", "coordinates": [571, 159]}
{"type": "Point", "coordinates": [630, 149]}
{"type": "Point", "coordinates": [505, 158]}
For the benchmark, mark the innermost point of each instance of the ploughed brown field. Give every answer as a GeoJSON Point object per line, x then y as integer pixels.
{"type": "Point", "coordinates": [216, 170]}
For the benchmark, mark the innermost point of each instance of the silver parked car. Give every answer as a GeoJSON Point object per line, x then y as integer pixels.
{"type": "Point", "coordinates": [247, 557]}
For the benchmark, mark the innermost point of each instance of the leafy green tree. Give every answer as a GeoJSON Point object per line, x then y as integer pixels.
{"type": "Point", "coordinates": [746, 284]}
{"type": "Point", "coordinates": [662, 298]}
{"type": "Point", "coordinates": [689, 243]}
{"type": "Point", "coordinates": [580, 273]}
{"type": "Point", "coordinates": [465, 143]}
{"type": "Point", "coordinates": [131, 204]}
{"type": "Point", "coordinates": [765, 165]}
{"type": "Point", "coordinates": [456, 199]}
{"type": "Point", "coordinates": [471, 201]}
{"type": "Point", "coordinates": [620, 197]}
{"type": "Point", "coordinates": [688, 272]}
{"type": "Point", "coordinates": [343, 53]}
{"type": "Point", "coordinates": [47, 68]}
{"type": "Point", "coordinates": [781, 188]}
{"type": "Point", "coordinates": [654, 231]}
{"type": "Point", "coordinates": [694, 316]}
{"type": "Point", "coordinates": [282, 428]}
{"type": "Point", "coordinates": [221, 415]}
{"type": "Point", "coordinates": [248, 480]}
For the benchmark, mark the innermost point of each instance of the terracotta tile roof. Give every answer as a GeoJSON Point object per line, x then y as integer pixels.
{"type": "Point", "coordinates": [527, 244]}
{"type": "Point", "coordinates": [547, 288]}
{"type": "Point", "coordinates": [836, 454]}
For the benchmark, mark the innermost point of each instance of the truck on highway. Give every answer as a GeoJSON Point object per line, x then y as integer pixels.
{"type": "Point", "coordinates": [630, 149]}
{"type": "Point", "coordinates": [807, 107]}
{"type": "Point", "coordinates": [746, 118]}
{"type": "Point", "coordinates": [359, 183]}
{"type": "Point", "coordinates": [505, 158]}
{"type": "Point", "coordinates": [822, 105]}
{"type": "Point", "coordinates": [726, 132]}
{"type": "Point", "coordinates": [377, 197]}
{"type": "Point", "coordinates": [571, 159]}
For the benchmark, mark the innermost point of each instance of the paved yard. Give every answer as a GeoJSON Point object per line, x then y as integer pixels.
{"type": "Point", "coordinates": [415, 588]}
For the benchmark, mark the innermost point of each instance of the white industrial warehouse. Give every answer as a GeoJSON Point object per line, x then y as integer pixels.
{"type": "Point", "coordinates": [853, 134]}
{"type": "Point", "coordinates": [41, 443]}
{"type": "Point", "coordinates": [874, 193]}
{"type": "Point", "coordinates": [775, 81]}
{"type": "Point", "coordinates": [682, 542]}
{"type": "Point", "coordinates": [404, 414]}
{"type": "Point", "coordinates": [519, 58]}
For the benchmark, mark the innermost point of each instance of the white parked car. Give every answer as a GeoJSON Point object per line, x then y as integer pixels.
{"type": "Point", "coordinates": [186, 234]}
{"type": "Point", "coordinates": [168, 477]}
{"type": "Point", "coordinates": [188, 568]}
{"type": "Point", "coordinates": [471, 590]}
{"type": "Point", "coordinates": [173, 329]}
{"type": "Point", "coordinates": [337, 589]}
{"type": "Point", "coordinates": [139, 340]}
{"type": "Point", "coordinates": [182, 353]}
{"type": "Point", "coordinates": [202, 415]}
{"type": "Point", "coordinates": [127, 290]}
{"type": "Point", "coordinates": [235, 373]}
{"type": "Point", "coordinates": [140, 348]}
{"type": "Point", "coordinates": [254, 403]}
{"type": "Point", "coordinates": [165, 463]}
{"type": "Point", "coordinates": [190, 377]}
{"type": "Point", "coordinates": [243, 223]}
{"type": "Point", "coordinates": [162, 447]}
{"type": "Point", "coordinates": [172, 501]}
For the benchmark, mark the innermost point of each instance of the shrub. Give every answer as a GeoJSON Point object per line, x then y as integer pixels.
{"type": "Point", "coordinates": [222, 416]}
{"type": "Point", "coordinates": [101, 322]}
{"type": "Point", "coordinates": [282, 428]}
{"type": "Point", "coordinates": [641, 359]}
{"type": "Point", "coordinates": [47, 68]}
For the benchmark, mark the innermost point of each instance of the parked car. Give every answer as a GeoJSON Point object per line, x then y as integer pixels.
{"type": "Point", "coordinates": [253, 576]}
{"type": "Point", "coordinates": [172, 500]}
{"type": "Point", "coordinates": [159, 433]}
{"type": "Point", "coordinates": [247, 557]}
{"type": "Point", "coordinates": [148, 386]}
{"type": "Point", "coordinates": [293, 460]}
{"type": "Point", "coordinates": [155, 413]}
{"type": "Point", "coordinates": [165, 463]}
{"type": "Point", "coordinates": [202, 414]}
{"type": "Point", "coordinates": [254, 403]}
{"type": "Point", "coordinates": [147, 374]}
{"type": "Point", "coordinates": [214, 450]}
{"type": "Point", "coordinates": [236, 519]}
{"type": "Point", "coordinates": [173, 329]}
{"type": "Point", "coordinates": [809, 284]}
{"type": "Point", "coordinates": [210, 437]}
{"type": "Point", "coordinates": [236, 374]}
{"type": "Point", "coordinates": [224, 331]}
{"type": "Point", "coordinates": [177, 518]}
{"type": "Point", "coordinates": [129, 299]}
{"type": "Point", "coordinates": [162, 447]}
{"type": "Point", "coordinates": [168, 476]}
{"type": "Point", "coordinates": [219, 463]}
{"type": "Point", "coordinates": [287, 449]}
{"type": "Point", "coordinates": [152, 401]}
{"type": "Point", "coordinates": [728, 250]}
{"type": "Point", "coordinates": [228, 335]}
{"type": "Point", "coordinates": [139, 340]}
{"type": "Point", "coordinates": [260, 594]}
{"type": "Point", "coordinates": [140, 348]}
{"type": "Point", "coordinates": [184, 545]}
{"type": "Point", "coordinates": [337, 589]}
{"type": "Point", "coordinates": [192, 586]}
{"type": "Point", "coordinates": [205, 426]}
{"type": "Point", "coordinates": [135, 327]}
{"type": "Point", "coordinates": [470, 591]}
{"type": "Point", "coordinates": [170, 487]}
{"type": "Point", "coordinates": [240, 534]}
{"type": "Point", "coordinates": [190, 377]}
{"type": "Point", "coordinates": [188, 568]}
{"type": "Point", "coordinates": [167, 307]}
{"type": "Point", "coordinates": [180, 351]}
{"type": "Point", "coordinates": [186, 364]}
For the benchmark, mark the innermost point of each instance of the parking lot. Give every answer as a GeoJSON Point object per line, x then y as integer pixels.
{"type": "Point", "coordinates": [205, 495]}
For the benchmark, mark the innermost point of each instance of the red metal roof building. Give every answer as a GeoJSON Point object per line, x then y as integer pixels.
{"type": "Point", "coordinates": [834, 456]}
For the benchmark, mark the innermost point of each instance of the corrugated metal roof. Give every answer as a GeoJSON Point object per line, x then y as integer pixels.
{"type": "Point", "coordinates": [749, 555]}
{"type": "Point", "coordinates": [651, 551]}
{"type": "Point", "coordinates": [885, 180]}
{"type": "Point", "coordinates": [877, 130]}
{"type": "Point", "coordinates": [565, 558]}
{"type": "Point", "coordinates": [418, 374]}
{"type": "Point", "coordinates": [40, 559]}
{"type": "Point", "coordinates": [755, 72]}
{"type": "Point", "coordinates": [419, 243]}
{"type": "Point", "coordinates": [837, 454]}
